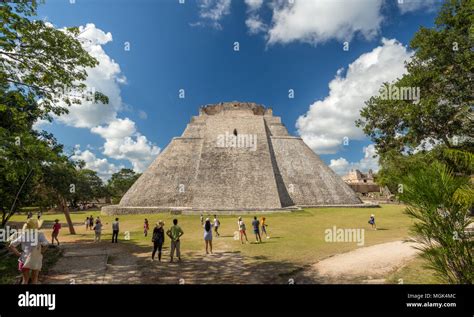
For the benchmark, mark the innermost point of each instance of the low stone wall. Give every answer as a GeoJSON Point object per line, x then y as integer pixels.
{"type": "Point", "coordinates": [121, 210]}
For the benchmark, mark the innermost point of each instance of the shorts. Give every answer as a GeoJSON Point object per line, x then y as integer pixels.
{"type": "Point", "coordinates": [256, 231]}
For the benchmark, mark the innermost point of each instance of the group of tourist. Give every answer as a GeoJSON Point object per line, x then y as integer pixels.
{"type": "Point", "coordinates": [258, 226]}
{"type": "Point", "coordinates": [175, 232]}
{"type": "Point", "coordinates": [97, 226]}
{"type": "Point", "coordinates": [31, 258]}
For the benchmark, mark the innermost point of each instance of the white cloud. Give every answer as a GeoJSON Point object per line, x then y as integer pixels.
{"type": "Point", "coordinates": [319, 21]}
{"type": "Point", "coordinates": [255, 24]}
{"type": "Point", "coordinates": [122, 139]}
{"type": "Point", "coordinates": [327, 122]}
{"type": "Point", "coordinates": [103, 168]}
{"type": "Point", "coordinates": [341, 166]}
{"type": "Point", "coordinates": [414, 5]}
{"type": "Point", "coordinates": [105, 77]}
{"type": "Point", "coordinates": [211, 12]}
{"type": "Point", "coordinates": [123, 142]}
{"type": "Point", "coordinates": [253, 4]}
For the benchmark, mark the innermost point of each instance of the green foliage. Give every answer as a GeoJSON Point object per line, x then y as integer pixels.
{"type": "Point", "coordinates": [440, 202]}
{"type": "Point", "coordinates": [42, 72]}
{"type": "Point", "coordinates": [41, 61]}
{"type": "Point", "coordinates": [442, 67]}
{"type": "Point", "coordinates": [120, 182]}
{"type": "Point", "coordinates": [23, 151]}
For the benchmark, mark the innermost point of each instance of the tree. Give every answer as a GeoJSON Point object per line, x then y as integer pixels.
{"type": "Point", "coordinates": [442, 67]}
{"type": "Point", "coordinates": [23, 151]}
{"type": "Point", "coordinates": [40, 60]}
{"type": "Point", "coordinates": [42, 71]}
{"type": "Point", "coordinates": [120, 182]}
{"type": "Point", "coordinates": [60, 179]}
{"type": "Point", "coordinates": [439, 201]}
{"type": "Point", "coordinates": [89, 186]}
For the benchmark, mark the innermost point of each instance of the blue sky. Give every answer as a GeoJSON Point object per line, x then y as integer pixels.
{"type": "Point", "coordinates": [283, 45]}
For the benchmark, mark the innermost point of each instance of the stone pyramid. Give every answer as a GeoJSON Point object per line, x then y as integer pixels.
{"type": "Point", "coordinates": [235, 156]}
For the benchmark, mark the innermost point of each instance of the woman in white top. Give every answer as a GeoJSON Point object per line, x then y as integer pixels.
{"type": "Point", "coordinates": [32, 243]}
{"type": "Point", "coordinates": [242, 230]}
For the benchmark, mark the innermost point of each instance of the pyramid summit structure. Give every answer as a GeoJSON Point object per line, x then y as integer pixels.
{"type": "Point", "coordinates": [235, 156]}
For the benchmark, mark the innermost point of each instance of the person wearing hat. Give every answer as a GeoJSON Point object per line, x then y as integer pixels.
{"type": "Point", "coordinates": [208, 235]}
{"type": "Point", "coordinates": [158, 239]}
{"type": "Point", "coordinates": [32, 243]}
{"type": "Point", "coordinates": [372, 221]}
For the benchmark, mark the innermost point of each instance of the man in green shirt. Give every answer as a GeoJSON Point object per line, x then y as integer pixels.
{"type": "Point", "coordinates": [175, 232]}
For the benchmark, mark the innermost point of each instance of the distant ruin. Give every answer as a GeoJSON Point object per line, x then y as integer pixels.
{"type": "Point", "coordinates": [206, 168]}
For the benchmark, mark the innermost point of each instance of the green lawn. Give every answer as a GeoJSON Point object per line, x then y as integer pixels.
{"type": "Point", "coordinates": [414, 273]}
{"type": "Point", "coordinates": [297, 237]}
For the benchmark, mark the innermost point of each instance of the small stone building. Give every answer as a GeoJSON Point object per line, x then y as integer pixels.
{"type": "Point", "coordinates": [362, 183]}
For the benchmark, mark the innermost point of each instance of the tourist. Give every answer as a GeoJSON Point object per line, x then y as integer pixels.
{"type": "Point", "coordinates": [158, 239]}
{"type": "Point", "coordinates": [54, 235]}
{"type": "Point", "coordinates": [242, 229]}
{"type": "Point", "coordinates": [202, 220]}
{"type": "Point", "coordinates": [264, 227]}
{"type": "Point", "coordinates": [175, 232]}
{"type": "Point", "coordinates": [87, 223]}
{"type": "Point", "coordinates": [29, 215]}
{"type": "Point", "coordinates": [146, 227]}
{"type": "Point", "coordinates": [97, 220]}
{"type": "Point", "coordinates": [372, 221]}
{"type": "Point", "coordinates": [33, 243]}
{"type": "Point", "coordinates": [115, 230]}
{"type": "Point", "coordinates": [91, 222]}
{"type": "Point", "coordinates": [217, 224]}
{"type": "Point", "coordinates": [208, 235]}
{"type": "Point", "coordinates": [98, 231]}
{"type": "Point", "coordinates": [256, 229]}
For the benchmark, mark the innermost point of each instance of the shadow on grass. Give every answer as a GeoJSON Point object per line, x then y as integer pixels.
{"type": "Point", "coordinates": [86, 262]}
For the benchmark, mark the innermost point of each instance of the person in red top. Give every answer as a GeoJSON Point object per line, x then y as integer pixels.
{"type": "Point", "coordinates": [56, 228]}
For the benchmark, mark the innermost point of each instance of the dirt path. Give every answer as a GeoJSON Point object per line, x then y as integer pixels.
{"type": "Point", "coordinates": [85, 262]}
{"type": "Point", "coordinates": [364, 265]}
{"type": "Point", "coordinates": [107, 263]}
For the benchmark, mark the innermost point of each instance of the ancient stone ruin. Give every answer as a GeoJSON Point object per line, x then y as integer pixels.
{"type": "Point", "coordinates": [235, 156]}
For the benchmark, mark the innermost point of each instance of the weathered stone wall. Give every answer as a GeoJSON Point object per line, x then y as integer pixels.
{"type": "Point", "coordinates": [195, 172]}
{"type": "Point", "coordinates": [308, 180]}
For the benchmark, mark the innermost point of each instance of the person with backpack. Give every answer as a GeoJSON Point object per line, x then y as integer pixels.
{"type": "Point", "coordinates": [98, 231]}
{"type": "Point", "coordinates": [158, 239]}
{"type": "Point", "coordinates": [208, 235]}
{"type": "Point", "coordinates": [217, 224]}
{"type": "Point", "coordinates": [372, 222]}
